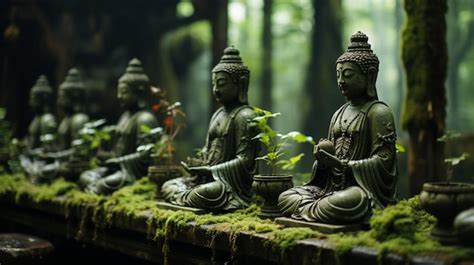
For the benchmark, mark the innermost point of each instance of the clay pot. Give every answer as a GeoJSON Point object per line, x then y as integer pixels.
{"type": "Point", "coordinates": [445, 200]}
{"type": "Point", "coordinates": [269, 188]}
{"type": "Point", "coordinates": [161, 174]}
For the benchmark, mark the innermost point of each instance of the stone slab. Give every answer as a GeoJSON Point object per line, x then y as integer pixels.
{"type": "Point", "coordinates": [321, 227]}
{"type": "Point", "coordinates": [169, 206]}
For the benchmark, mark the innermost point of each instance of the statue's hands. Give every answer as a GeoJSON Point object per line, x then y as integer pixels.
{"type": "Point", "coordinates": [329, 160]}
{"type": "Point", "coordinates": [197, 171]}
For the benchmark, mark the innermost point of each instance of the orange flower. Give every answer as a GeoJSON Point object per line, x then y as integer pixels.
{"type": "Point", "coordinates": [169, 122]}
{"type": "Point", "coordinates": [156, 107]}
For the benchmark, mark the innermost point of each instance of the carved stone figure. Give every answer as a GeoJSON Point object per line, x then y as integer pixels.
{"type": "Point", "coordinates": [223, 180]}
{"type": "Point", "coordinates": [126, 161]}
{"type": "Point", "coordinates": [43, 126]}
{"type": "Point", "coordinates": [71, 101]}
{"type": "Point", "coordinates": [355, 169]}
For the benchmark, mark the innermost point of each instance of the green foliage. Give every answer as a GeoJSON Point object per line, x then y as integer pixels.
{"type": "Point", "coordinates": [451, 162]}
{"type": "Point", "coordinates": [276, 143]}
{"type": "Point", "coordinates": [95, 136]}
{"type": "Point", "coordinates": [399, 148]}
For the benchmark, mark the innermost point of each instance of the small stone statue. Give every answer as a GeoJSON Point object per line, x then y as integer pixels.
{"type": "Point", "coordinates": [355, 169]}
{"type": "Point", "coordinates": [71, 101]}
{"type": "Point", "coordinates": [223, 179]}
{"type": "Point", "coordinates": [126, 162]}
{"type": "Point", "coordinates": [43, 126]}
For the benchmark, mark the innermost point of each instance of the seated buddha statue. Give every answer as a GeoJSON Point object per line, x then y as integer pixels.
{"type": "Point", "coordinates": [42, 129]}
{"type": "Point", "coordinates": [223, 179]}
{"type": "Point", "coordinates": [355, 170]}
{"type": "Point", "coordinates": [126, 161]}
{"type": "Point", "coordinates": [44, 122]}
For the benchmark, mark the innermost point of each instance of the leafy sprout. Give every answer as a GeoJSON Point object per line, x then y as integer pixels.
{"type": "Point", "coordinates": [452, 161]}
{"type": "Point", "coordinates": [276, 144]}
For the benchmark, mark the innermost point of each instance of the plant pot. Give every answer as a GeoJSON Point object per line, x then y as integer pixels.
{"type": "Point", "coordinates": [161, 174]}
{"type": "Point", "coordinates": [269, 188]}
{"type": "Point", "coordinates": [445, 200]}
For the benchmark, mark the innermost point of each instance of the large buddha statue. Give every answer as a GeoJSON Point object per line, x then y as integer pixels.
{"type": "Point", "coordinates": [355, 169]}
{"type": "Point", "coordinates": [43, 126]}
{"type": "Point", "coordinates": [123, 164]}
{"type": "Point", "coordinates": [224, 178]}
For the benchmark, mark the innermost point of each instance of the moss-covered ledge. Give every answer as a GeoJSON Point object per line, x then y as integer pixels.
{"type": "Point", "coordinates": [129, 222]}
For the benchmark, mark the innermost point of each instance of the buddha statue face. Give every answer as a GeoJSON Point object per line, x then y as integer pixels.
{"type": "Point", "coordinates": [35, 102]}
{"type": "Point", "coordinates": [351, 81]}
{"type": "Point", "coordinates": [40, 95]}
{"type": "Point", "coordinates": [224, 89]}
{"type": "Point", "coordinates": [126, 96]}
{"type": "Point", "coordinates": [63, 99]}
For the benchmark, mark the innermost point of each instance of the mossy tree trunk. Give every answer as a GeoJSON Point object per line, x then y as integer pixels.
{"type": "Point", "coordinates": [267, 48]}
{"type": "Point", "coordinates": [424, 55]}
{"type": "Point", "coordinates": [322, 95]}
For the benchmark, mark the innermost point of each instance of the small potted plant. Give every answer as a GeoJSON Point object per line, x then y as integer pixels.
{"type": "Point", "coordinates": [270, 186]}
{"type": "Point", "coordinates": [164, 167]}
{"type": "Point", "coordinates": [446, 199]}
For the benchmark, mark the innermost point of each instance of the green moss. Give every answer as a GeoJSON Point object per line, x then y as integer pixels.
{"type": "Point", "coordinates": [285, 239]}
{"type": "Point", "coordinates": [402, 228]}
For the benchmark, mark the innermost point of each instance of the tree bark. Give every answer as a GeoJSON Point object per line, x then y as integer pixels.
{"type": "Point", "coordinates": [322, 95]}
{"type": "Point", "coordinates": [267, 49]}
{"type": "Point", "coordinates": [424, 55]}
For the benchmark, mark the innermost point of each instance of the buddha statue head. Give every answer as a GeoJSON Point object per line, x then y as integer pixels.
{"type": "Point", "coordinates": [133, 87]}
{"type": "Point", "coordinates": [357, 69]}
{"type": "Point", "coordinates": [72, 93]}
{"type": "Point", "coordinates": [230, 78]}
{"type": "Point", "coordinates": [41, 95]}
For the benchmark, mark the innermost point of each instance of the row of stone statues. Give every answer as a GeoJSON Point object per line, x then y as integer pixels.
{"type": "Point", "coordinates": [355, 168]}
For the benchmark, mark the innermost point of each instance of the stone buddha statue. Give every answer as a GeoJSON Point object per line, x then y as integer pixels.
{"type": "Point", "coordinates": [43, 126]}
{"type": "Point", "coordinates": [223, 179]}
{"type": "Point", "coordinates": [71, 101]}
{"type": "Point", "coordinates": [126, 161]}
{"type": "Point", "coordinates": [355, 169]}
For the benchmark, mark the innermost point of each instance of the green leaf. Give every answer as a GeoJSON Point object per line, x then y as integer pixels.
{"type": "Point", "coordinates": [298, 137]}
{"type": "Point", "coordinates": [399, 148]}
{"type": "Point", "coordinates": [456, 160]}
{"type": "Point", "coordinates": [145, 129]}
{"type": "Point", "coordinates": [448, 136]}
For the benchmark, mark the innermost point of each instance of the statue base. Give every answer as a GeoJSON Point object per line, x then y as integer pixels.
{"type": "Point", "coordinates": [321, 227]}
{"type": "Point", "coordinates": [173, 207]}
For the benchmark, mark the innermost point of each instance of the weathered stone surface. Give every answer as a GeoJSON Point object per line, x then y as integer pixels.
{"type": "Point", "coordinates": [321, 227]}
{"type": "Point", "coordinates": [169, 206]}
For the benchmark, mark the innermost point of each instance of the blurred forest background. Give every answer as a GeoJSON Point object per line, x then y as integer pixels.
{"type": "Point", "coordinates": [289, 45]}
